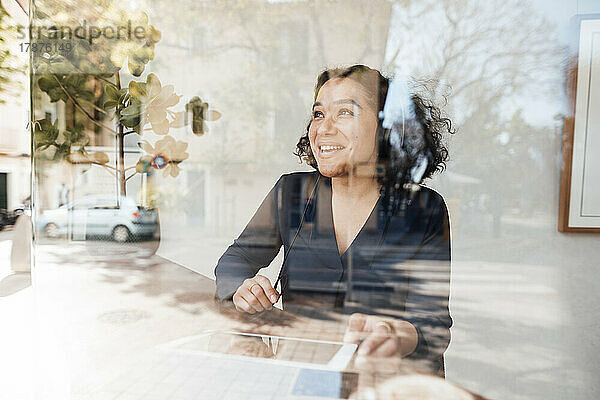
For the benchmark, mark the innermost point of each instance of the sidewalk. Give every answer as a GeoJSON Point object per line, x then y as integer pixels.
{"type": "Point", "coordinates": [16, 337]}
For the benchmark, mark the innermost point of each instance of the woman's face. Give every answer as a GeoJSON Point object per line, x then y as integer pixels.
{"type": "Point", "coordinates": [343, 128]}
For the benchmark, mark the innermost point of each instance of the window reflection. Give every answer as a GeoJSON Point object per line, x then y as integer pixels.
{"type": "Point", "coordinates": [105, 203]}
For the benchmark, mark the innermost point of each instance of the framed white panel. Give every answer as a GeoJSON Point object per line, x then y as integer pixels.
{"type": "Point", "coordinates": [582, 188]}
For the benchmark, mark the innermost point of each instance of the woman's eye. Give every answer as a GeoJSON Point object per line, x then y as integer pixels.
{"type": "Point", "coordinates": [317, 114]}
{"type": "Point", "coordinates": [345, 111]}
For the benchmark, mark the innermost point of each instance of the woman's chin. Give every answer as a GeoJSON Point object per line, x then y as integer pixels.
{"type": "Point", "coordinates": [331, 171]}
{"type": "Point", "coordinates": [338, 171]}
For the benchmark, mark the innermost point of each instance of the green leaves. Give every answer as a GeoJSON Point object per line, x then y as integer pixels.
{"type": "Point", "coordinates": [127, 103]}
{"type": "Point", "coordinates": [57, 145]}
{"type": "Point", "coordinates": [105, 54]}
{"type": "Point", "coordinates": [131, 117]}
{"type": "Point", "coordinates": [137, 89]}
{"type": "Point", "coordinates": [60, 86]}
{"type": "Point", "coordinates": [45, 134]}
{"type": "Point", "coordinates": [111, 96]}
{"type": "Point", "coordinates": [76, 136]}
{"type": "Point", "coordinates": [50, 86]}
{"type": "Point", "coordinates": [47, 83]}
{"type": "Point", "coordinates": [46, 139]}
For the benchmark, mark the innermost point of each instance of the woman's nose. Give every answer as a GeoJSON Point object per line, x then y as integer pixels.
{"type": "Point", "coordinates": [326, 127]}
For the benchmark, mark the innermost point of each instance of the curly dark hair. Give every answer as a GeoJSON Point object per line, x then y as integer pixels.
{"type": "Point", "coordinates": [409, 150]}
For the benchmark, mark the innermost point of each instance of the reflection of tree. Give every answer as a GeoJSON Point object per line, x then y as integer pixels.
{"type": "Point", "coordinates": [9, 65]}
{"type": "Point", "coordinates": [504, 44]}
{"type": "Point", "coordinates": [82, 65]}
{"type": "Point", "coordinates": [491, 54]}
{"type": "Point", "coordinates": [277, 48]}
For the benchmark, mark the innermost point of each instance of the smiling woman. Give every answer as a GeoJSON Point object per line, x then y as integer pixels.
{"type": "Point", "coordinates": [343, 126]}
{"type": "Point", "coordinates": [421, 129]}
{"type": "Point", "coordinates": [360, 235]}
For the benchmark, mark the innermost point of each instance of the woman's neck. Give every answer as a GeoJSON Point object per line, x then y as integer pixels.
{"type": "Point", "coordinates": [355, 188]}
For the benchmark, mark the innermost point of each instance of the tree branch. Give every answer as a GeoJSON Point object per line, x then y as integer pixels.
{"type": "Point", "coordinates": [130, 176]}
{"type": "Point", "coordinates": [108, 169]}
{"type": "Point", "coordinates": [103, 79]}
{"type": "Point", "coordinates": [95, 107]}
{"type": "Point", "coordinates": [76, 104]}
{"type": "Point", "coordinates": [102, 165]}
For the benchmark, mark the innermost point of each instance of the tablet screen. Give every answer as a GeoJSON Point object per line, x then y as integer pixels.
{"type": "Point", "coordinates": [329, 384]}
{"type": "Point", "coordinates": [266, 347]}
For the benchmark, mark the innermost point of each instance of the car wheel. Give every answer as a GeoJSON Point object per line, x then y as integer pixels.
{"type": "Point", "coordinates": [120, 234]}
{"type": "Point", "coordinates": [51, 230]}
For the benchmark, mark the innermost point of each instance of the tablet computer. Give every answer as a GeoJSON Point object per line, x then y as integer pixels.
{"type": "Point", "coordinates": [297, 352]}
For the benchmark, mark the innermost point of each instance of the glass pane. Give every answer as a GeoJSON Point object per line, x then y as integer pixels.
{"type": "Point", "coordinates": [272, 199]}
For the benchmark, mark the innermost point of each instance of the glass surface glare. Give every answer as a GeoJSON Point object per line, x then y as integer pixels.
{"type": "Point", "coordinates": [310, 173]}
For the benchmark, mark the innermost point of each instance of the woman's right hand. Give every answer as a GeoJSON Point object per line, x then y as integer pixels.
{"type": "Point", "coordinates": [255, 295]}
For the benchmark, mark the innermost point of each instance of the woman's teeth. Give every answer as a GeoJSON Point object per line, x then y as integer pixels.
{"type": "Point", "coordinates": [330, 149]}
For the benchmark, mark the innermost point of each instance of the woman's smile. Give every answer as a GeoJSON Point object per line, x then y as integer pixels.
{"type": "Point", "coordinates": [326, 151]}
{"type": "Point", "coordinates": [343, 128]}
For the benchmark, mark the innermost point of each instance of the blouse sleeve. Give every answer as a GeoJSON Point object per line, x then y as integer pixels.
{"type": "Point", "coordinates": [254, 249]}
{"type": "Point", "coordinates": [429, 286]}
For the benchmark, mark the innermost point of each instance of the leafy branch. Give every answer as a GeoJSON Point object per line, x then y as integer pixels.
{"type": "Point", "coordinates": [136, 108]}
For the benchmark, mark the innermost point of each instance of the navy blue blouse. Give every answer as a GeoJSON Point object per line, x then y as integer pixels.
{"type": "Point", "coordinates": [397, 266]}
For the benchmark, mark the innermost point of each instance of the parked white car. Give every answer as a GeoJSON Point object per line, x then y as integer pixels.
{"type": "Point", "coordinates": [99, 215]}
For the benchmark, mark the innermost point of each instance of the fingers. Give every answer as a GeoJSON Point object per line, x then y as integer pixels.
{"type": "Point", "coordinates": [357, 322]}
{"type": "Point", "coordinates": [381, 342]}
{"type": "Point", "coordinates": [379, 346]}
{"type": "Point", "coordinates": [241, 304]}
{"type": "Point", "coordinates": [355, 332]}
{"type": "Point", "coordinates": [259, 293]}
{"type": "Point", "coordinates": [246, 301]}
{"type": "Point", "coordinates": [371, 343]}
{"type": "Point", "coordinates": [255, 289]}
{"type": "Point", "coordinates": [265, 284]}
{"type": "Point", "coordinates": [254, 295]}
{"type": "Point", "coordinates": [388, 348]}
{"type": "Point", "coordinates": [378, 352]}
{"type": "Point", "coordinates": [250, 298]}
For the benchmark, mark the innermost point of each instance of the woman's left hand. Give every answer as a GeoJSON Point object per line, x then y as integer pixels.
{"type": "Point", "coordinates": [375, 336]}
{"type": "Point", "coordinates": [381, 337]}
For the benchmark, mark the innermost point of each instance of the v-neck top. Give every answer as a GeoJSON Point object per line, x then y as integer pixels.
{"type": "Point", "coordinates": [398, 265]}
{"type": "Point", "coordinates": [370, 219]}
{"type": "Point", "coordinates": [327, 197]}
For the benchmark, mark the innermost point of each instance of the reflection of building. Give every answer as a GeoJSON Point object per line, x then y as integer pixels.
{"type": "Point", "coordinates": [14, 137]}
{"type": "Point", "coordinates": [14, 153]}
{"type": "Point", "coordinates": [257, 64]}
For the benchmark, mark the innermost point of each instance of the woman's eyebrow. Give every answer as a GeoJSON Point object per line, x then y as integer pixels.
{"type": "Point", "coordinates": [340, 101]}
